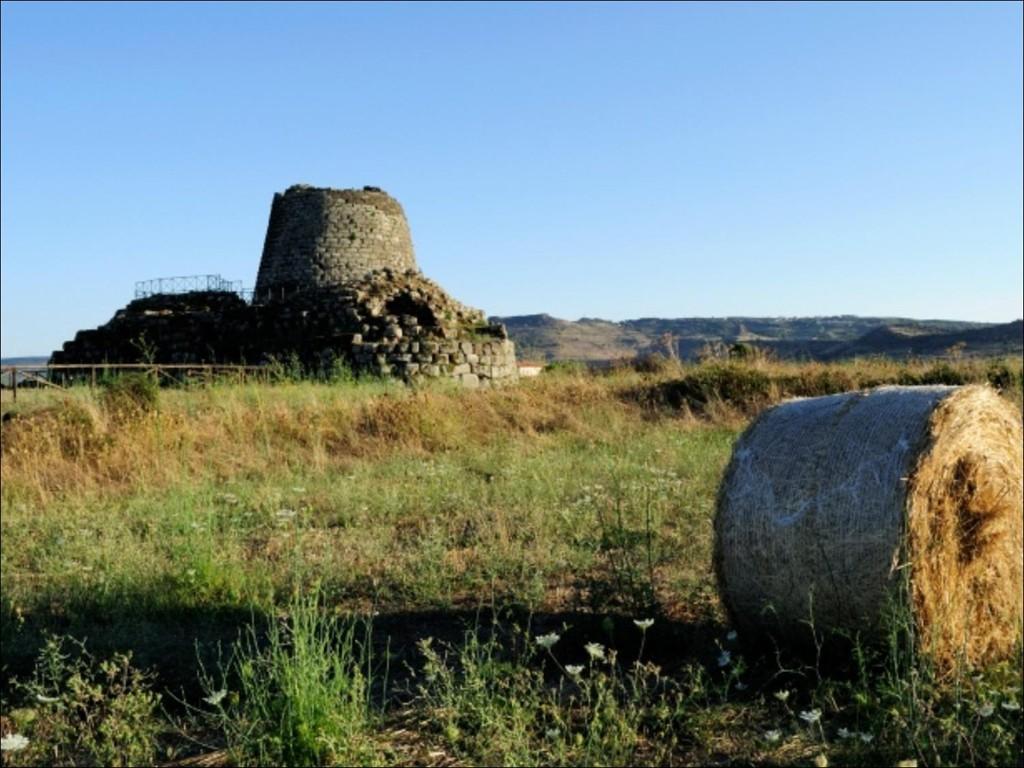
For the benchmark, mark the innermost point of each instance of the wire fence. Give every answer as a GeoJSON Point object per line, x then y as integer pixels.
{"type": "Point", "coordinates": [62, 376]}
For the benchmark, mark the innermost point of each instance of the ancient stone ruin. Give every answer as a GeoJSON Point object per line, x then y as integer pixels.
{"type": "Point", "coordinates": [337, 282]}
{"type": "Point", "coordinates": [328, 238]}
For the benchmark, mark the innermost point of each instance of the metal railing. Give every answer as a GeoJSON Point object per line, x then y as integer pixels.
{"type": "Point", "coordinates": [189, 284]}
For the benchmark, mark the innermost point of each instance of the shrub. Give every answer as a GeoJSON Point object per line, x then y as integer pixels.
{"type": "Point", "coordinates": [814, 383]}
{"type": "Point", "coordinates": [942, 373]}
{"type": "Point", "coordinates": [744, 387]}
{"type": "Point", "coordinates": [655, 363]}
{"type": "Point", "coordinates": [130, 393]}
{"type": "Point", "coordinates": [1004, 378]}
{"type": "Point", "coordinates": [287, 369]}
{"type": "Point", "coordinates": [742, 351]}
{"type": "Point", "coordinates": [91, 713]}
{"type": "Point", "coordinates": [567, 367]}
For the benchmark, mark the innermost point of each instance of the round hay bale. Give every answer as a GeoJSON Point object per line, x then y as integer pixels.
{"type": "Point", "coordinates": [835, 510]}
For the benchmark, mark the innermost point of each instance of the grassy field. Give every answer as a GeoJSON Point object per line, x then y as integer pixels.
{"type": "Point", "coordinates": [314, 572]}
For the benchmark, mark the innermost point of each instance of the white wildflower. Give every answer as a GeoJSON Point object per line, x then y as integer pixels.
{"type": "Point", "coordinates": [986, 710]}
{"type": "Point", "coordinates": [594, 650]}
{"type": "Point", "coordinates": [644, 624]}
{"type": "Point", "coordinates": [811, 716]}
{"type": "Point", "coordinates": [773, 735]}
{"type": "Point", "coordinates": [782, 696]}
{"type": "Point", "coordinates": [216, 697]}
{"type": "Point", "coordinates": [574, 670]}
{"type": "Point", "coordinates": [731, 636]}
{"type": "Point", "coordinates": [867, 738]}
{"type": "Point", "coordinates": [547, 641]}
{"type": "Point", "coordinates": [13, 743]}
{"type": "Point", "coordinates": [552, 733]}
{"type": "Point", "coordinates": [846, 733]}
{"type": "Point", "coordinates": [724, 658]}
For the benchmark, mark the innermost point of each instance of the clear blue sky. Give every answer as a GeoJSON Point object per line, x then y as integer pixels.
{"type": "Point", "coordinates": [606, 160]}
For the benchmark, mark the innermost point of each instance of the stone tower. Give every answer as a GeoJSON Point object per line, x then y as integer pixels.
{"type": "Point", "coordinates": [338, 282]}
{"type": "Point", "coordinates": [325, 238]}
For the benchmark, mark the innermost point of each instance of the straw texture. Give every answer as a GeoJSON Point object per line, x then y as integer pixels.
{"type": "Point", "coordinates": [835, 509]}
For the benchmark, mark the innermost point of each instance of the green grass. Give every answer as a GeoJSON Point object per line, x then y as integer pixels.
{"type": "Point", "coordinates": [299, 692]}
{"type": "Point", "coordinates": [238, 538]}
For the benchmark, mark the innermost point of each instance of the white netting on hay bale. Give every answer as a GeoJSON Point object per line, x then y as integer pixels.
{"type": "Point", "coordinates": [833, 509]}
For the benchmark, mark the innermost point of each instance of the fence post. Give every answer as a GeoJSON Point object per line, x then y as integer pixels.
{"type": "Point", "coordinates": [92, 377]}
{"type": "Point", "coordinates": [14, 381]}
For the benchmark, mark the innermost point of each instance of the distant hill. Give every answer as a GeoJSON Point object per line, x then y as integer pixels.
{"type": "Point", "coordinates": [897, 341]}
{"type": "Point", "coordinates": [6, 379]}
{"type": "Point", "coordinates": [36, 360]}
{"type": "Point", "coordinates": [543, 337]}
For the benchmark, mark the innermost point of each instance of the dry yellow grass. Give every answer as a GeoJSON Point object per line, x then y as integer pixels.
{"type": "Point", "coordinates": [74, 446]}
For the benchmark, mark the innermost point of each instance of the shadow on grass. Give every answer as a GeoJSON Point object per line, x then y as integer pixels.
{"type": "Point", "coordinates": [173, 643]}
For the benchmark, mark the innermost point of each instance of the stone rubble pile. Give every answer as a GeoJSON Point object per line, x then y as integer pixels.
{"type": "Point", "coordinates": [388, 323]}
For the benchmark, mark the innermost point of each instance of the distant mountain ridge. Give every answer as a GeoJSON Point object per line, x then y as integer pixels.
{"type": "Point", "coordinates": [543, 337]}
{"type": "Point", "coordinates": [30, 360]}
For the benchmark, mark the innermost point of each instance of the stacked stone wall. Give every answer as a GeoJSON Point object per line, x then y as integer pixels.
{"type": "Point", "coordinates": [435, 337]}
{"type": "Point", "coordinates": [319, 237]}
{"type": "Point", "coordinates": [474, 363]}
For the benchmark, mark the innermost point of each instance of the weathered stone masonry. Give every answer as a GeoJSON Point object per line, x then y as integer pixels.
{"type": "Point", "coordinates": [337, 281]}
{"type": "Point", "coordinates": [321, 238]}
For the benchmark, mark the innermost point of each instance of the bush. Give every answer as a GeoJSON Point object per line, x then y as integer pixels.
{"type": "Point", "coordinates": [130, 393]}
{"type": "Point", "coordinates": [744, 387]}
{"type": "Point", "coordinates": [814, 383]}
{"type": "Point", "coordinates": [90, 713]}
{"type": "Point", "coordinates": [655, 363]}
{"type": "Point", "coordinates": [287, 369]}
{"type": "Point", "coordinates": [567, 367]}
{"type": "Point", "coordinates": [1004, 378]}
